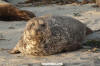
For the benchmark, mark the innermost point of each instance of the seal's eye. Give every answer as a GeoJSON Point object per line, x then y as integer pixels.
{"type": "Point", "coordinates": [32, 24]}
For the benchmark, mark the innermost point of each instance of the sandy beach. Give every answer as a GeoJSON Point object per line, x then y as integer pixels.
{"type": "Point", "coordinates": [11, 31]}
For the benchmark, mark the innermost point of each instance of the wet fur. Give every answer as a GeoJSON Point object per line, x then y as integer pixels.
{"type": "Point", "coordinates": [50, 35]}
{"type": "Point", "coordinates": [9, 12]}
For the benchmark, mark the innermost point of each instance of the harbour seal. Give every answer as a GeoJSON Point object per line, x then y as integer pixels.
{"type": "Point", "coordinates": [49, 35]}
{"type": "Point", "coordinates": [9, 12]}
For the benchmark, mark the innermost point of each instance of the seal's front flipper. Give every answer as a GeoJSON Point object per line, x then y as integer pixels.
{"type": "Point", "coordinates": [13, 51]}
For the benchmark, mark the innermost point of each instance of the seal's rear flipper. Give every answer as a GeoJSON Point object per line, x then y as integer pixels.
{"type": "Point", "coordinates": [88, 31]}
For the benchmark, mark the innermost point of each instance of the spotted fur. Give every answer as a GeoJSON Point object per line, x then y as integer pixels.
{"type": "Point", "coordinates": [50, 35]}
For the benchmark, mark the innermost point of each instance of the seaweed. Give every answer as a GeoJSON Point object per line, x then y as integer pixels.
{"type": "Point", "coordinates": [93, 43]}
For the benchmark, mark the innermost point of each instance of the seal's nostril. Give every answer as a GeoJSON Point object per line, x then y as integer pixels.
{"type": "Point", "coordinates": [43, 25]}
{"type": "Point", "coordinates": [37, 30]}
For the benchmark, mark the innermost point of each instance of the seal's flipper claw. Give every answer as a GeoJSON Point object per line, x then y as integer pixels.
{"type": "Point", "coordinates": [14, 52]}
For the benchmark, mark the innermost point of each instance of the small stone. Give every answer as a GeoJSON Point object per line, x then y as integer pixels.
{"type": "Point", "coordinates": [2, 37]}
{"type": "Point", "coordinates": [89, 50]}
{"type": "Point", "coordinates": [11, 27]}
{"type": "Point", "coordinates": [94, 49]}
{"type": "Point", "coordinates": [76, 14]}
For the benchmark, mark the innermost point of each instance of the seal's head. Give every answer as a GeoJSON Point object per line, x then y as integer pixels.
{"type": "Point", "coordinates": [26, 15]}
{"type": "Point", "coordinates": [37, 28]}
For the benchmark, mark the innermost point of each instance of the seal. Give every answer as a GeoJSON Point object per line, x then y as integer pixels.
{"type": "Point", "coordinates": [98, 3]}
{"type": "Point", "coordinates": [47, 35]}
{"type": "Point", "coordinates": [9, 12]}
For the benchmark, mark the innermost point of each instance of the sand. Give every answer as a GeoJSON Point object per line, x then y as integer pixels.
{"type": "Point", "coordinates": [10, 33]}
